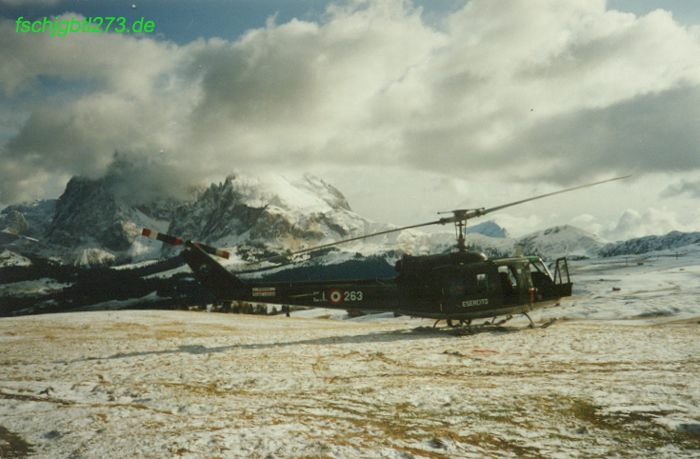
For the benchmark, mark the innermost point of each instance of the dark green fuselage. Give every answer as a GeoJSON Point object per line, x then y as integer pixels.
{"type": "Point", "coordinates": [460, 285]}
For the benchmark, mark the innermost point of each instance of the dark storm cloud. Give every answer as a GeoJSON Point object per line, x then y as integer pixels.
{"type": "Point", "coordinates": [651, 133]}
{"type": "Point", "coordinates": [139, 179]}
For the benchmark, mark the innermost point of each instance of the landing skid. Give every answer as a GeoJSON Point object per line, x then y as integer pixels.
{"type": "Point", "coordinates": [467, 323]}
{"type": "Point", "coordinates": [464, 326]}
{"type": "Point", "coordinates": [462, 323]}
{"type": "Point", "coordinates": [544, 325]}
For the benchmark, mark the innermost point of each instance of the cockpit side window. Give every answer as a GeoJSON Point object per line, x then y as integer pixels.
{"type": "Point", "coordinates": [506, 274]}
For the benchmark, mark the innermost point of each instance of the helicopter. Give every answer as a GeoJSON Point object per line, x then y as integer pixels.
{"type": "Point", "coordinates": [456, 287]}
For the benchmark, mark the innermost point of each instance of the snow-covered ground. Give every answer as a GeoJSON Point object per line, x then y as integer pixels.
{"type": "Point", "coordinates": [188, 384]}
{"type": "Point", "coordinates": [663, 283]}
{"type": "Point", "coordinates": [9, 258]}
{"type": "Point", "coordinates": [32, 288]}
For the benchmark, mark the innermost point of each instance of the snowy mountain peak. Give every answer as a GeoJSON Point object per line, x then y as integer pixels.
{"type": "Point", "coordinates": [327, 192]}
{"type": "Point", "coordinates": [565, 240]}
{"type": "Point", "coordinates": [268, 213]}
{"type": "Point", "coordinates": [488, 228]}
{"type": "Point", "coordinates": [309, 193]}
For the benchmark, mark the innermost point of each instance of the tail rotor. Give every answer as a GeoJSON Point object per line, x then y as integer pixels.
{"type": "Point", "coordinates": [174, 240]}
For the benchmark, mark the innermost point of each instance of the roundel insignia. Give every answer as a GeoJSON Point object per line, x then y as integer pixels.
{"type": "Point", "coordinates": [335, 296]}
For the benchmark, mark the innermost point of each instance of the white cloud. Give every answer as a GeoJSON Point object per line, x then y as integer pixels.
{"type": "Point", "coordinates": [684, 187]}
{"type": "Point", "coordinates": [651, 221]}
{"type": "Point", "coordinates": [588, 222]}
{"type": "Point", "coordinates": [514, 90]}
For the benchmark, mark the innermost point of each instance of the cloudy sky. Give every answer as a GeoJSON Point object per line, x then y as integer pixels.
{"type": "Point", "coordinates": [407, 107]}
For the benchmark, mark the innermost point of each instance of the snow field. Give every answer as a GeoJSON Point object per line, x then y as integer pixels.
{"type": "Point", "coordinates": [164, 383]}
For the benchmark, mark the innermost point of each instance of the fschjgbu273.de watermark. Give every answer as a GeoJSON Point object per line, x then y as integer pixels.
{"type": "Point", "coordinates": [96, 24]}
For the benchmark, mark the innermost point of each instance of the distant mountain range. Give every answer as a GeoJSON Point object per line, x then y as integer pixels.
{"type": "Point", "coordinates": [646, 244]}
{"type": "Point", "coordinates": [91, 224]}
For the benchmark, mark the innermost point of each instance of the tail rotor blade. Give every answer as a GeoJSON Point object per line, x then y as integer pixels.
{"type": "Point", "coordinates": [168, 239]}
{"type": "Point", "coordinates": [213, 250]}
{"type": "Point", "coordinates": [510, 204]}
{"type": "Point", "coordinates": [174, 240]}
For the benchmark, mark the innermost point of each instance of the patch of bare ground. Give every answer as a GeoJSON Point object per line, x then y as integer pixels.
{"type": "Point", "coordinates": [12, 445]}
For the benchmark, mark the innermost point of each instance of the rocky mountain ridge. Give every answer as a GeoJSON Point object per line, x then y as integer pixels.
{"type": "Point", "coordinates": [559, 241]}
{"type": "Point", "coordinates": [269, 214]}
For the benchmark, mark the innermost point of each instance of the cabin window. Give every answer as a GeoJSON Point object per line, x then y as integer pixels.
{"type": "Point", "coordinates": [506, 273]}
{"type": "Point", "coordinates": [482, 282]}
{"type": "Point", "coordinates": [509, 281]}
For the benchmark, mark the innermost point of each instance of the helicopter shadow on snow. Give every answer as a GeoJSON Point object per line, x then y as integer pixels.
{"type": "Point", "coordinates": [416, 333]}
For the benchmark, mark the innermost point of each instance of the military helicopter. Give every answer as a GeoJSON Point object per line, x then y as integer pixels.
{"type": "Point", "coordinates": [457, 287]}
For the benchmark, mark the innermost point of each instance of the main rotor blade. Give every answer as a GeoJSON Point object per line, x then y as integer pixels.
{"type": "Point", "coordinates": [463, 214]}
{"type": "Point", "coordinates": [343, 241]}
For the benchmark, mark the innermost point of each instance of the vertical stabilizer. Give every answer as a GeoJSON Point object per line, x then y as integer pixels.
{"type": "Point", "coordinates": [211, 274]}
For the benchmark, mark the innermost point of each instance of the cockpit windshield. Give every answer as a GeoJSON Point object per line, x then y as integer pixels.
{"type": "Point", "coordinates": [537, 265]}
